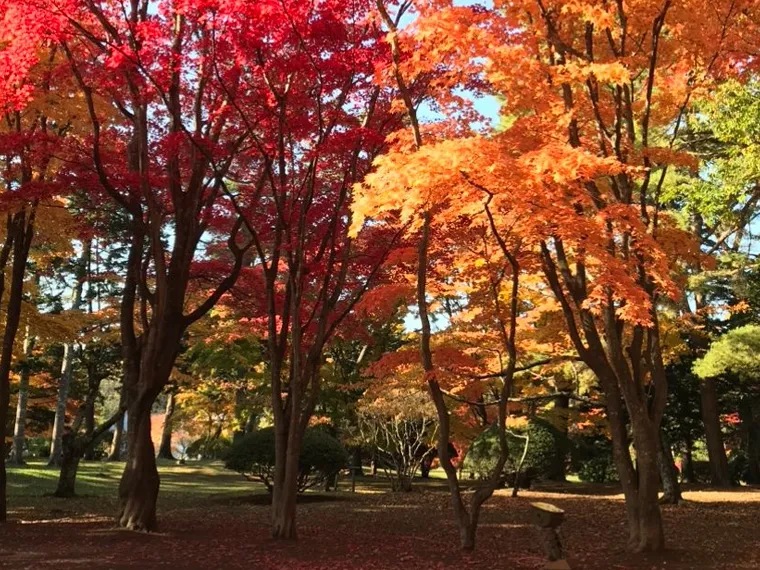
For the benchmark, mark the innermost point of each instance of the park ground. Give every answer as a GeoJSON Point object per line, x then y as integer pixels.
{"type": "Point", "coordinates": [212, 519]}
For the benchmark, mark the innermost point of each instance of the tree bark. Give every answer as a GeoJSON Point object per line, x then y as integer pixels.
{"type": "Point", "coordinates": [19, 237]}
{"type": "Point", "coordinates": [285, 488]}
{"type": "Point", "coordinates": [67, 365]}
{"type": "Point", "coordinates": [89, 426]}
{"type": "Point", "coordinates": [562, 407]}
{"type": "Point", "coordinates": [749, 413]}
{"type": "Point", "coordinates": [17, 456]}
{"type": "Point", "coordinates": [75, 446]}
{"type": "Point", "coordinates": [165, 448]}
{"type": "Point", "coordinates": [719, 475]}
{"type": "Point", "coordinates": [60, 408]}
{"type": "Point", "coordinates": [115, 453]}
{"type": "Point", "coordinates": [687, 464]}
{"type": "Point", "coordinates": [356, 462]}
{"type": "Point", "coordinates": [668, 473]}
{"type": "Point", "coordinates": [138, 489]}
{"type": "Point", "coordinates": [70, 457]}
{"type": "Point", "coordinates": [650, 531]}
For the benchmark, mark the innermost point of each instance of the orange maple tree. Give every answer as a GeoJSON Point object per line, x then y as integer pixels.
{"type": "Point", "coordinates": [593, 95]}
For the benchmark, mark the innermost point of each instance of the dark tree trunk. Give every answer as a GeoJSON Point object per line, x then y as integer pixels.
{"type": "Point", "coordinates": [165, 448]}
{"type": "Point", "coordinates": [687, 464]}
{"type": "Point", "coordinates": [719, 475]}
{"type": "Point", "coordinates": [749, 413]}
{"type": "Point", "coordinates": [651, 536]}
{"type": "Point", "coordinates": [562, 408]}
{"type": "Point", "coordinates": [74, 446]}
{"type": "Point", "coordinates": [356, 462]}
{"type": "Point", "coordinates": [89, 425]}
{"type": "Point", "coordinates": [71, 454]}
{"type": "Point", "coordinates": [20, 232]}
{"type": "Point", "coordinates": [426, 465]}
{"type": "Point", "coordinates": [138, 489]}
{"type": "Point", "coordinates": [250, 424]}
{"type": "Point", "coordinates": [668, 473]}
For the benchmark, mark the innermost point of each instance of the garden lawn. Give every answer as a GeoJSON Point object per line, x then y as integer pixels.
{"type": "Point", "coordinates": [212, 519]}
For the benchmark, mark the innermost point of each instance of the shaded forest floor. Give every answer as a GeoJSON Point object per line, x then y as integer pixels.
{"type": "Point", "coordinates": [211, 519]}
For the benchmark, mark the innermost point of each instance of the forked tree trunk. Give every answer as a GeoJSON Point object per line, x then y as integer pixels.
{"type": "Point", "coordinates": [17, 456]}
{"type": "Point", "coordinates": [640, 486]}
{"type": "Point", "coordinates": [75, 447]}
{"type": "Point", "coordinates": [165, 448]}
{"type": "Point", "coordinates": [138, 489]}
{"type": "Point", "coordinates": [70, 457]}
{"type": "Point", "coordinates": [719, 475]}
{"type": "Point", "coordinates": [285, 490]}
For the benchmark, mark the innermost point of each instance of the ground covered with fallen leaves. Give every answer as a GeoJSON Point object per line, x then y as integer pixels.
{"type": "Point", "coordinates": [210, 519]}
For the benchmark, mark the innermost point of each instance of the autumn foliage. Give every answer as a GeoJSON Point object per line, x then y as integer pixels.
{"type": "Point", "coordinates": [275, 185]}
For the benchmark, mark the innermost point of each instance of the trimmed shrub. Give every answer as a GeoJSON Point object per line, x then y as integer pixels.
{"type": "Point", "coordinates": [702, 472]}
{"type": "Point", "coordinates": [738, 466]}
{"type": "Point", "coordinates": [38, 447]}
{"type": "Point", "coordinates": [592, 460]}
{"type": "Point", "coordinates": [544, 459]}
{"type": "Point", "coordinates": [209, 448]}
{"type": "Point", "coordinates": [322, 456]}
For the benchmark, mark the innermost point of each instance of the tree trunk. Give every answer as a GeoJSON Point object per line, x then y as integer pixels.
{"type": "Point", "coordinates": [70, 456]}
{"type": "Point", "coordinates": [138, 489]}
{"type": "Point", "coordinates": [20, 232]}
{"type": "Point", "coordinates": [89, 424]}
{"type": "Point", "coordinates": [562, 407]}
{"type": "Point", "coordinates": [426, 465]}
{"type": "Point", "coordinates": [687, 464]}
{"type": "Point", "coordinates": [668, 473]}
{"type": "Point", "coordinates": [719, 475]}
{"type": "Point", "coordinates": [17, 456]}
{"type": "Point", "coordinates": [115, 453]}
{"type": "Point", "coordinates": [651, 537]}
{"type": "Point", "coordinates": [60, 408]}
{"type": "Point", "coordinates": [356, 462]}
{"type": "Point", "coordinates": [165, 448]}
{"type": "Point", "coordinates": [250, 424]}
{"type": "Point", "coordinates": [750, 418]}
{"type": "Point", "coordinates": [285, 489]}
{"type": "Point", "coordinates": [467, 537]}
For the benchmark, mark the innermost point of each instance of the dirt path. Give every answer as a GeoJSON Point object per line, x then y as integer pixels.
{"type": "Point", "coordinates": [716, 530]}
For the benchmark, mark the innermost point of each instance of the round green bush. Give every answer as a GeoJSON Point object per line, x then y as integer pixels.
{"type": "Point", "coordinates": [593, 461]}
{"type": "Point", "coordinates": [38, 447]}
{"type": "Point", "coordinates": [322, 456]}
{"type": "Point", "coordinates": [738, 466]}
{"type": "Point", "coordinates": [209, 448]}
{"type": "Point", "coordinates": [544, 459]}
